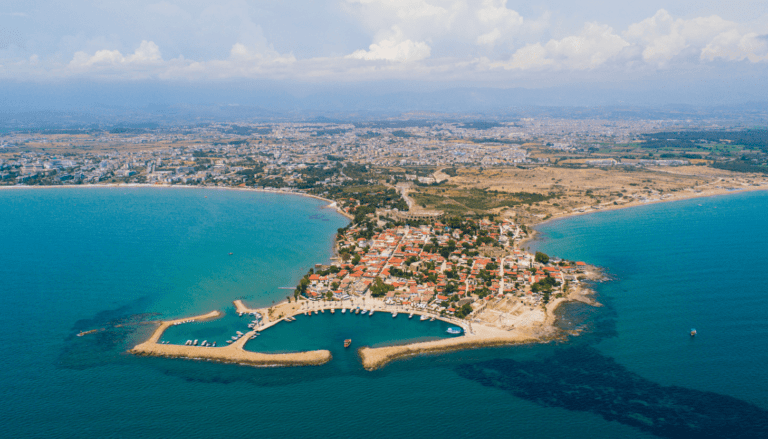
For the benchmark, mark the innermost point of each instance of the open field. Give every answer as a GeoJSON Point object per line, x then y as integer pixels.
{"type": "Point", "coordinates": [536, 193]}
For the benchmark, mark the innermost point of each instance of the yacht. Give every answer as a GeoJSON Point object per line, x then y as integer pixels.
{"type": "Point", "coordinates": [453, 330]}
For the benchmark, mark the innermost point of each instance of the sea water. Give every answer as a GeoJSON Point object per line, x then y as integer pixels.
{"type": "Point", "coordinates": [114, 259]}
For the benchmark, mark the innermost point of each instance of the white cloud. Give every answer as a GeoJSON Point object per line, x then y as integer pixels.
{"type": "Point", "coordinates": [664, 38]}
{"type": "Point", "coordinates": [733, 46]}
{"type": "Point", "coordinates": [146, 53]}
{"type": "Point", "coordinates": [393, 48]}
{"type": "Point", "coordinates": [591, 48]}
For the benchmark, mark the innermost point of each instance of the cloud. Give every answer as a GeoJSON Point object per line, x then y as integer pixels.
{"type": "Point", "coordinates": [393, 48]}
{"type": "Point", "coordinates": [733, 46]}
{"type": "Point", "coordinates": [664, 38]}
{"type": "Point", "coordinates": [591, 48]}
{"type": "Point", "coordinates": [146, 53]}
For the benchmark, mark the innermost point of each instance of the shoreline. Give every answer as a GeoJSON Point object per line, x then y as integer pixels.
{"type": "Point", "coordinates": [331, 204]}
{"type": "Point", "coordinates": [233, 353]}
{"type": "Point", "coordinates": [475, 335]}
{"type": "Point", "coordinates": [704, 194]}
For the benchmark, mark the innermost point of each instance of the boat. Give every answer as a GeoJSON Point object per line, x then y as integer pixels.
{"type": "Point", "coordinates": [194, 343]}
{"type": "Point", "coordinates": [333, 311]}
{"type": "Point", "coordinates": [423, 317]}
{"type": "Point", "coordinates": [214, 344]}
{"type": "Point", "coordinates": [432, 319]}
{"type": "Point", "coordinates": [254, 336]}
{"type": "Point", "coordinates": [357, 311]}
{"type": "Point", "coordinates": [343, 310]}
{"type": "Point", "coordinates": [230, 253]}
{"type": "Point", "coordinates": [238, 333]}
{"type": "Point", "coordinates": [365, 311]}
{"type": "Point", "coordinates": [322, 311]}
{"type": "Point", "coordinates": [370, 313]}
{"type": "Point", "coordinates": [453, 330]}
{"type": "Point", "coordinates": [693, 332]}
{"type": "Point", "coordinates": [394, 314]}
{"type": "Point", "coordinates": [229, 341]}
{"type": "Point", "coordinates": [315, 312]}
{"type": "Point", "coordinates": [410, 316]}
{"type": "Point", "coordinates": [347, 342]}
{"type": "Point", "coordinates": [204, 343]}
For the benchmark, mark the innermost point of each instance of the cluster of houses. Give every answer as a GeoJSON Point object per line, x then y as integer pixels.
{"type": "Point", "coordinates": [440, 266]}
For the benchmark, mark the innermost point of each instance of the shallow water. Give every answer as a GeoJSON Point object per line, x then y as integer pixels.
{"type": "Point", "coordinates": [116, 259]}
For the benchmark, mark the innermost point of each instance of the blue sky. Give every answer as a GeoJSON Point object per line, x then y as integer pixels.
{"type": "Point", "coordinates": [486, 43]}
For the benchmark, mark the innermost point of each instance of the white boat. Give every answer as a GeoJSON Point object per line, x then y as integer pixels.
{"type": "Point", "coordinates": [357, 311]}
{"type": "Point", "coordinates": [370, 313]}
{"type": "Point", "coordinates": [365, 311]}
{"type": "Point", "coordinates": [394, 314]}
{"type": "Point", "coordinates": [432, 319]}
{"type": "Point", "coordinates": [238, 333]}
{"type": "Point", "coordinates": [214, 344]}
{"type": "Point", "coordinates": [410, 316]}
{"type": "Point", "coordinates": [343, 310]}
{"type": "Point", "coordinates": [424, 317]}
{"type": "Point", "coordinates": [453, 330]}
{"type": "Point", "coordinates": [194, 343]}
{"type": "Point", "coordinates": [315, 312]}
{"type": "Point", "coordinates": [229, 341]}
{"type": "Point", "coordinates": [204, 343]}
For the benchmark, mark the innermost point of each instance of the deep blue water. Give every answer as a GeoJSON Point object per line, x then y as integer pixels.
{"type": "Point", "coordinates": [93, 258]}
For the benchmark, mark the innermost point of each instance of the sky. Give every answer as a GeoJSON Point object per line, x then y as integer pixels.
{"type": "Point", "coordinates": [418, 44]}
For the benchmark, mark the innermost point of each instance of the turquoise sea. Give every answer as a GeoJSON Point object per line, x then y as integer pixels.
{"type": "Point", "coordinates": [114, 258]}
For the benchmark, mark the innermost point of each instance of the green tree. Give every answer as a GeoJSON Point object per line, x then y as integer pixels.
{"type": "Point", "coordinates": [379, 288]}
{"type": "Point", "coordinates": [541, 257]}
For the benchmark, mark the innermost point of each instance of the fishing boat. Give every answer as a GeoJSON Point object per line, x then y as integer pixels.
{"type": "Point", "coordinates": [693, 332]}
{"type": "Point", "coordinates": [357, 311]}
{"type": "Point", "coordinates": [423, 317]}
{"type": "Point", "coordinates": [194, 343]}
{"type": "Point", "coordinates": [453, 330]}
{"type": "Point", "coordinates": [347, 342]}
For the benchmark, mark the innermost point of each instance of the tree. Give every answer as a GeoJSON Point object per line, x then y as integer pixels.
{"type": "Point", "coordinates": [379, 288]}
{"type": "Point", "coordinates": [541, 257]}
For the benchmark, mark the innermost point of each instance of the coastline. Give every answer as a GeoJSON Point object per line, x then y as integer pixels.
{"type": "Point", "coordinates": [331, 203]}
{"type": "Point", "coordinates": [475, 336]}
{"type": "Point", "coordinates": [682, 197]}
